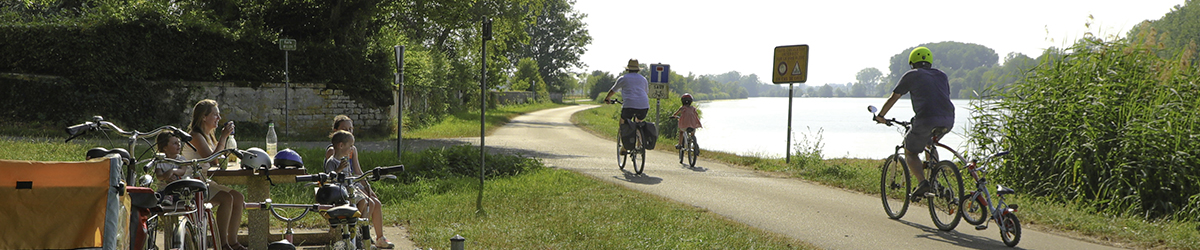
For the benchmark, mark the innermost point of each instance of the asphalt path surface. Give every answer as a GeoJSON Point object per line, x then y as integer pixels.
{"type": "Point", "coordinates": [828, 217]}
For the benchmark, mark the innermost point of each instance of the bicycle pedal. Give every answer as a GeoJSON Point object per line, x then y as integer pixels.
{"type": "Point", "coordinates": [930, 195]}
{"type": "Point", "coordinates": [981, 227]}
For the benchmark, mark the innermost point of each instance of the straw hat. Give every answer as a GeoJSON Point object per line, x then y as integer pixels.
{"type": "Point", "coordinates": [633, 65]}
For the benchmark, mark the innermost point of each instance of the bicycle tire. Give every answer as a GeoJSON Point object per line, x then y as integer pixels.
{"type": "Point", "coordinates": [639, 151]}
{"type": "Point", "coordinates": [895, 183]}
{"type": "Point", "coordinates": [946, 184]}
{"type": "Point", "coordinates": [620, 156]}
{"type": "Point", "coordinates": [1010, 229]}
{"type": "Point", "coordinates": [188, 235]}
{"type": "Point", "coordinates": [682, 147]}
{"type": "Point", "coordinates": [974, 210]}
{"type": "Point", "coordinates": [693, 151]}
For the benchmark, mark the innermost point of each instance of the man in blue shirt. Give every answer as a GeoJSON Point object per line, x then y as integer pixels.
{"type": "Point", "coordinates": [930, 90]}
{"type": "Point", "coordinates": [634, 88]}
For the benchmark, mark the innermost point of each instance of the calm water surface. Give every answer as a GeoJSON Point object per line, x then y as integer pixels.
{"type": "Point", "coordinates": [758, 126]}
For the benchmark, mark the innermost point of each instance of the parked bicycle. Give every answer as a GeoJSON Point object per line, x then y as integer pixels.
{"type": "Point", "coordinates": [183, 199]}
{"type": "Point", "coordinates": [337, 190]}
{"type": "Point", "coordinates": [287, 243]}
{"type": "Point", "coordinates": [977, 205]}
{"type": "Point", "coordinates": [688, 148]}
{"type": "Point", "coordinates": [131, 172]}
{"type": "Point", "coordinates": [635, 154]}
{"type": "Point", "coordinates": [946, 184]}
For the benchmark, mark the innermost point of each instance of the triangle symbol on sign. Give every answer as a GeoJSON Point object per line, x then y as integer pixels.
{"type": "Point", "coordinates": [796, 70]}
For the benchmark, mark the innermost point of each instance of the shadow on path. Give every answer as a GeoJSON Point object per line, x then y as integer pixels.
{"type": "Point", "coordinates": [965, 241]}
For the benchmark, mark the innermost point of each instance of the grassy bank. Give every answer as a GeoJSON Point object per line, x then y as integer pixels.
{"type": "Point", "coordinates": [526, 205]}
{"type": "Point", "coordinates": [862, 175]}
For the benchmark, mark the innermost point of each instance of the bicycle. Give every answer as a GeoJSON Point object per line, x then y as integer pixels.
{"type": "Point", "coordinates": [189, 231]}
{"type": "Point", "coordinates": [197, 220]}
{"type": "Point", "coordinates": [976, 205]}
{"type": "Point", "coordinates": [688, 146]}
{"type": "Point", "coordinates": [287, 242]}
{"type": "Point", "coordinates": [336, 190]}
{"type": "Point", "coordinates": [638, 150]}
{"type": "Point", "coordinates": [945, 181]}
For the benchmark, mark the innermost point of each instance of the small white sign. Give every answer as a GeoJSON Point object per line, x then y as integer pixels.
{"type": "Point", "coordinates": [659, 90]}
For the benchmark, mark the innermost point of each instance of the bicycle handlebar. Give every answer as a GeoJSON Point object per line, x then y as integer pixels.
{"type": "Point", "coordinates": [268, 205]}
{"type": "Point", "coordinates": [98, 123]}
{"type": "Point", "coordinates": [373, 175]}
{"type": "Point", "coordinates": [236, 152]}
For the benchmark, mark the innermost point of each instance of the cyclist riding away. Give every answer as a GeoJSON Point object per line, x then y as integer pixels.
{"type": "Point", "coordinates": [688, 117]}
{"type": "Point", "coordinates": [634, 88]}
{"type": "Point", "coordinates": [930, 97]}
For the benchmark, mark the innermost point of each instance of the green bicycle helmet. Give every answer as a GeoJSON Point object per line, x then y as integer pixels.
{"type": "Point", "coordinates": [920, 54]}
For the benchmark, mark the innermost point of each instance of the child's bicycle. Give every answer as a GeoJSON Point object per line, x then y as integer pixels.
{"type": "Point", "coordinates": [946, 184]}
{"type": "Point", "coordinates": [337, 190]}
{"type": "Point", "coordinates": [688, 147]}
{"type": "Point", "coordinates": [636, 154]}
{"type": "Point", "coordinates": [976, 205]}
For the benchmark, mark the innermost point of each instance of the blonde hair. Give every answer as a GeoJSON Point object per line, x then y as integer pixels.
{"type": "Point", "coordinates": [203, 108]}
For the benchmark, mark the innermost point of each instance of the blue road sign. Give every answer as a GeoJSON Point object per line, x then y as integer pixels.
{"type": "Point", "coordinates": [660, 73]}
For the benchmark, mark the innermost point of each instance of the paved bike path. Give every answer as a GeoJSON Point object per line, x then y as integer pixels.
{"type": "Point", "coordinates": [827, 217]}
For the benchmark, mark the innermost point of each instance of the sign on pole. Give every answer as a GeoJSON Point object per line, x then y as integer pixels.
{"type": "Point", "coordinates": [660, 73]}
{"type": "Point", "coordinates": [791, 64]}
{"type": "Point", "coordinates": [659, 90]}
{"type": "Point", "coordinates": [287, 44]}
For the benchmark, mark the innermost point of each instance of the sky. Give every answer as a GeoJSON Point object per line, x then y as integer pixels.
{"type": "Point", "coordinates": [714, 37]}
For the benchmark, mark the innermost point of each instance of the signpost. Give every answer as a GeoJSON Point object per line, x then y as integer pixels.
{"type": "Point", "coordinates": [790, 66]}
{"type": "Point", "coordinates": [659, 75]}
{"type": "Point", "coordinates": [286, 45]}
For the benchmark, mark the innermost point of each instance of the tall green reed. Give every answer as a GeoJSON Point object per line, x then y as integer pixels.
{"type": "Point", "coordinates": [1104, 123]}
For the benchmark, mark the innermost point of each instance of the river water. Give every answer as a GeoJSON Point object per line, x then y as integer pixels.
{"type": "Point", "coordinates": [758, 126]}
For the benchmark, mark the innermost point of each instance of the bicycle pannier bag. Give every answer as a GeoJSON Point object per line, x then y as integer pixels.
{"type": "Point", "coordinates": [628, 138]}
{"type": "Point", "coordinates": [650, 132]}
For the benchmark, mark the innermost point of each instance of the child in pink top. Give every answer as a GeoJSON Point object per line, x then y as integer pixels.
{"type": "Point", "coordinates": [688, 117]}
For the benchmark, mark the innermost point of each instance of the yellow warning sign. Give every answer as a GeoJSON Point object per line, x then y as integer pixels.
{"type": "Point", "coordinates": [791, 64]}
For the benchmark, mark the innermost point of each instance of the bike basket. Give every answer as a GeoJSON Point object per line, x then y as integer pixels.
{"type": "Point", "coordinates": [64, 205]}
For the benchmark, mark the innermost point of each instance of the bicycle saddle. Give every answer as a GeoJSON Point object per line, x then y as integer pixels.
{"type": "Point", "coordinates": [184, 186]}
{"type": "Point", "coordinates": [1001, 190]}
{"type": "Point", "coordinates": [344, 214]}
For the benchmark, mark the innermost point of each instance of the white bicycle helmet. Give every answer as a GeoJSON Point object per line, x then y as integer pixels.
{"type": "Point", "coordinates": [256, 158]}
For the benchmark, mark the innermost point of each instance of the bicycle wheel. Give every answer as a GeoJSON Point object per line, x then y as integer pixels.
{"type": "Point", "coordinates": [974, 208]}
{"type": "Point", "coordinates": [620, 154]}
{"type": "Point", "coordinates": [1010, 229]}
{"type": "Point", "coordinates": [639, 155]}
{"type": "Point", "coordinates": [693, 151]}
{"type": "Point", "coordinates": [946, 185]}
{"type": "Point", "coordinates": [683, 147]}
{"type": "Point", "coordinates": [189, 235]}
{"type": "Point", "coordinates": [894, 186]}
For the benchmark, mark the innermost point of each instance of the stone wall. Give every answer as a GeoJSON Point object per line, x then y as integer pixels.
{"type": "Point", "coordinates": [310, 112]}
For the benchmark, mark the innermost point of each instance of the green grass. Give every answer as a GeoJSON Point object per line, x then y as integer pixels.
{"type": "Point", "coordinates": [862, 175]}
{"type": "Point", "coordinates": [466, 123]}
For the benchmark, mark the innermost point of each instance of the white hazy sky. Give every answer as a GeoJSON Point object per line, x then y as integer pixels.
{"type": "Point", "coordinates": [713, 37]}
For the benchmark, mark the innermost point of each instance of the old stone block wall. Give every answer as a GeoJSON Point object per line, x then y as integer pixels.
{"type": "Point", "coordinates": [309, 113]}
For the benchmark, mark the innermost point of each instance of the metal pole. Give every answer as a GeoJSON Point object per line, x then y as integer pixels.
{"type": "Point", "coordinates": [487, 35]}
{"type": "Point", "coordinates": [788, 149]}
{"type": "Point", "coordinates": [399, 101]}
{"type": "Point", "coordinates": [287, 100]}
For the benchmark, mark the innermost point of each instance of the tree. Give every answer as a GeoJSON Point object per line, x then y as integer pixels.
{"type": "Point", "coordinates": [601, 82]}
{"type": "Point", "coordinates": [527, 77]}
{"type": "Point", "coordinates": [557, 37]}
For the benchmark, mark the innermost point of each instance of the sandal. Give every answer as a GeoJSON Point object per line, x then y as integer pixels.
{"type": "Point", "coordinates": [383, 243]}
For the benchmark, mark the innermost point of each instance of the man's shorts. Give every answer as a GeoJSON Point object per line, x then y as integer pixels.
{"type": "Point", "coordinates": [921, 134]}
{"type": "Point", "coordinates": [627, 113]}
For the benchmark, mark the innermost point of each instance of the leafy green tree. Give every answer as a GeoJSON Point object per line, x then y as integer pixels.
{"type": "Point", "coordinates": [557, 38]}
{"type": "Point", "coordinates": [601, 82]}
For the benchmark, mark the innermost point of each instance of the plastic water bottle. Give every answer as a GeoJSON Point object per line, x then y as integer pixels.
{"type": "Point", "coordinates": [231, 143]}
{"type": "Point", "coordinates": [272, 140]}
